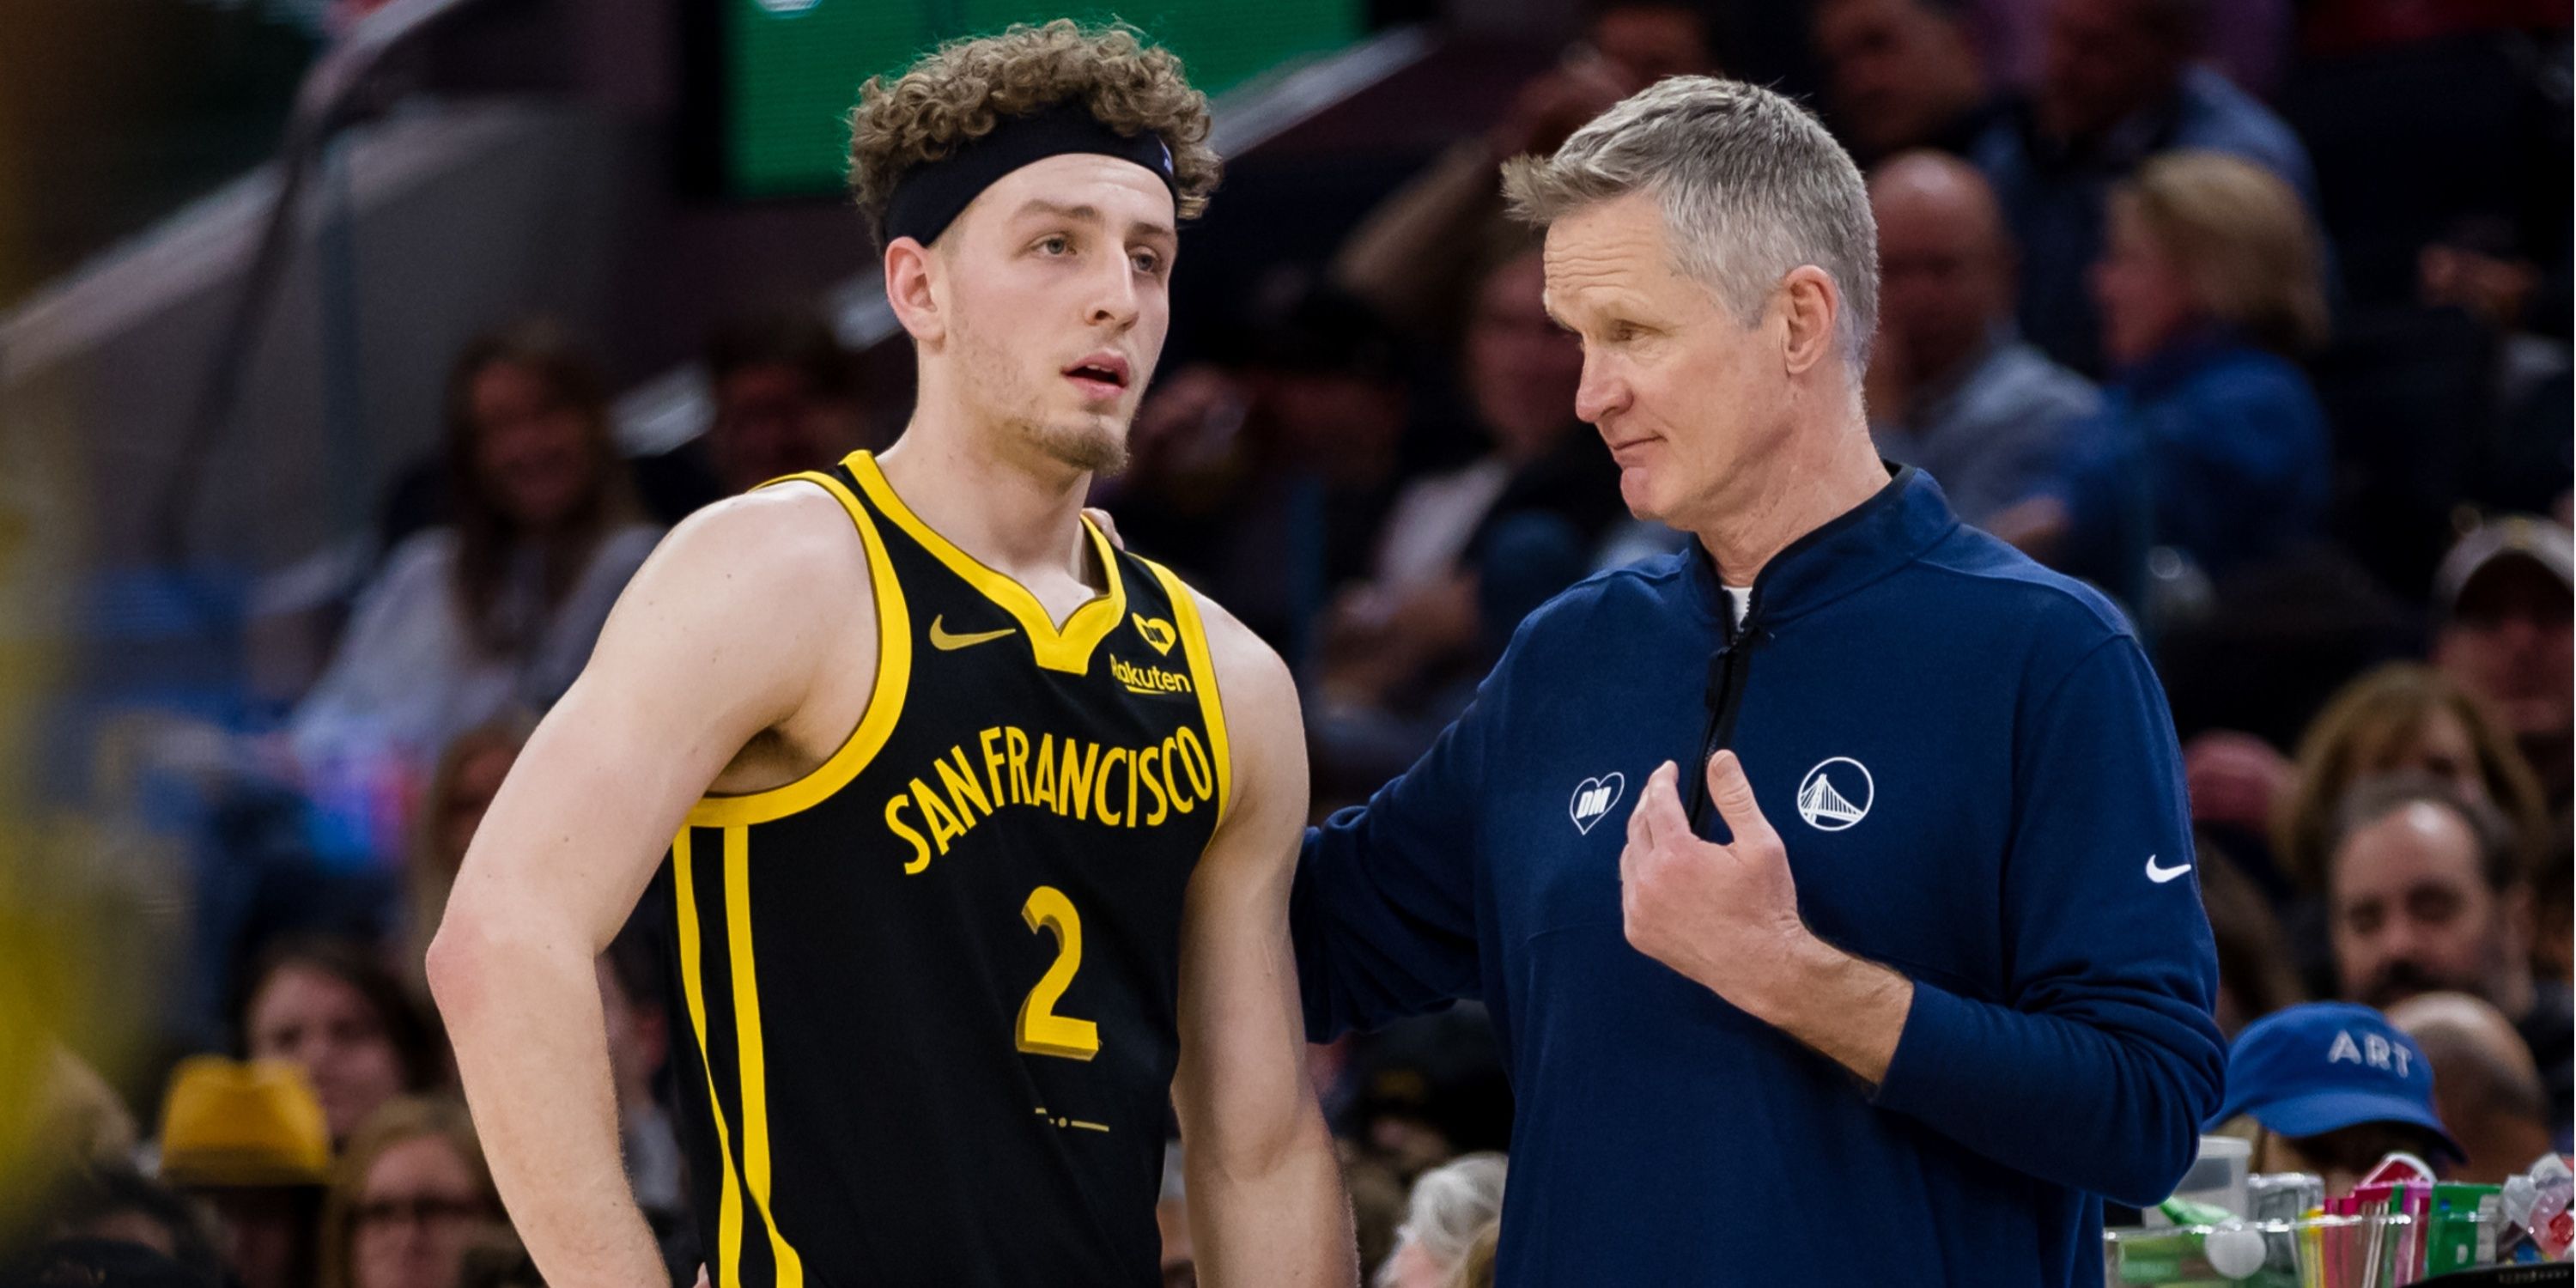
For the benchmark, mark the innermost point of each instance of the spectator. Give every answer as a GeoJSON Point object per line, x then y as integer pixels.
{"type": "Point", "coordinates": [408, 1200]}
{"type": "Point", "coordinates": [250, 1140]}
{"type": "Point", "coordinates": [2210, 441]}
{"type": "Point", "coordinates": [2505, 636]}
{"type": "Point", "coordinates": [1414, 257]}
{"type": "Point", "coordinates": [787, 399]}
{"type": "Point", "coordinates": [2484, 1084]}
{"type": "Point", "coordinates": [1450, 1206]}
{"type": "Point", "coordinates": [2254, 975]}
{"type": "Point", "coordinates": [498, 608]}
{"type": "Point", "coordinates": [2330, 1088]}
{"type": "Point", "coordinates": [333, 1010]}
{"type": "Point", "coordinates": [2426, 892]}
{"type": "Point", "coordinates": [1902, 74]}
{"type": "Point", "coordinates": [2117, 86]}
{"type": "Point", "coordinates": [1503, 533]}
{"type": "Point", "coordinates": [469, 771]}
{"type": "Point", "coordinates": [2402, 716]}
{"type": "Point", "coordinates": [1953, 387]}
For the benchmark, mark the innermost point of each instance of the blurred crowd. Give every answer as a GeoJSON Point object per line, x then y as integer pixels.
{"type": "Point", "coordinates": [2168, 303]}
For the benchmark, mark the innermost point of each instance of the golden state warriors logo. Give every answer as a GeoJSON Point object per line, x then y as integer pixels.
{"type": "Point", "coordinates": [1836, 794]}
{"type": "Point", "coordinates": [1157, 632]}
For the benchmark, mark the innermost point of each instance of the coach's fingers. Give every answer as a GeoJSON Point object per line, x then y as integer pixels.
{"type": "Point", "coordinates": [1732, 793]}
{"type": "Point", "coordinates": [1662, 805]}
{"type": "Point", "coordinates": [1108, 527]}
{"type": "Point", "coordinates": [702, 1275]}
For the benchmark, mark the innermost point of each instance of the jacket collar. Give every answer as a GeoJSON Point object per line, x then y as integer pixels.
{"type": "Point", "coordinates": [1880, 535]}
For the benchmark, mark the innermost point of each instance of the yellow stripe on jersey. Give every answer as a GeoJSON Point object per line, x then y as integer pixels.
{"type": "Point", "coordinates": [1185, 607]}
{"type": "Point", "coordinates": [1068, 650]}
{"type": "Point", "coordinates": [748, 1055]}
{"type": "Point", "coordinates": [726, 1268]}
{"type": "Point", "coordinates": [885, 701]}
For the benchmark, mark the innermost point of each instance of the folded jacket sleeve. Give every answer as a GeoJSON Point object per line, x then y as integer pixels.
{"type": "Point", "coordinates": [1384, 911]}
{"type": "Point", "coordinates": [2098, 1068]}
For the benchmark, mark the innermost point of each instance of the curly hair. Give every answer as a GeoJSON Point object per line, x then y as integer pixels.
{"type": "Point", "coordinates": [961, 90]}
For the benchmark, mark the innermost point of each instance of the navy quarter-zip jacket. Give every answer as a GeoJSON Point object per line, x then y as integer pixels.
{"type": "Point", "coordinates": [1974, 772]}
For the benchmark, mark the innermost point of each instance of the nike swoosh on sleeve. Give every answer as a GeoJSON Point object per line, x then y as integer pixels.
{"type": "Point", "coordinates": [2160, 875]}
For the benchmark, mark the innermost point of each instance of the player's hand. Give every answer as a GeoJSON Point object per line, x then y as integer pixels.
{"type": "Point", "coordinates": [1723, 915]}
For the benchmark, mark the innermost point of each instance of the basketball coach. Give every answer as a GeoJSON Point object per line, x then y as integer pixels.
{"type": "Point", "coordinates": [1830, 883]}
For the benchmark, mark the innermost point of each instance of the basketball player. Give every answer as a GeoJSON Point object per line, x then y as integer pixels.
{"type": "Point", "coordinates": [979, 832]}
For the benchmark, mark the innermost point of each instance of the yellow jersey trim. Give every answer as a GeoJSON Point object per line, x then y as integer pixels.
{"type": "Point", "coordinates": [726, 1268]}
{"type": "Point", "coordinates": [1068, 650]}
{"type": "Point", "coordinates": [1185, 609]}
{"type": "Point", "coordinates": [749, 1059]}
{"type": "Point", "coordinates": [885, 702]}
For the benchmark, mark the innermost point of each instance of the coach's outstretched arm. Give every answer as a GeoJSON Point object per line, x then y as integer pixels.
{"type": "Point", "coordinates": [675, 688]}
{"type": "Point", "coordinates": [1265, 1189]}
{"type": "Point", "coordinates": [1384, 914]}
{"type": "Point", "coordinates": [2097, 1067]}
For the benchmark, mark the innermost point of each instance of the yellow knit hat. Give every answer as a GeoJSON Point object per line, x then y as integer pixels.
{"type": "Point", "coordinates": [226, 1123]}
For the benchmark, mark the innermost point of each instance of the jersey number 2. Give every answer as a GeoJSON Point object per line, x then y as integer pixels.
{"type": "Point", "coordinates": [1040, 1031]}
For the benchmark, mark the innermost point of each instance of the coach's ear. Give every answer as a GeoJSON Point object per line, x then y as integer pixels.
{"type": "Point", "coordinates": [911, 283]}
{"type": "Point", "coordinates": [1809, 302]}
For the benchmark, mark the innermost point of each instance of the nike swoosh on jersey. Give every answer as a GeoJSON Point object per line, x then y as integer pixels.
{"type": "Point", "coordinates": [942, 640]}
{"type": "Point", "coordinates": [2160, 875]}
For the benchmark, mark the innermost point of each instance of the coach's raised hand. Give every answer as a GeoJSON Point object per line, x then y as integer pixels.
{"type": "Point", "coordinates": [1719, 914]}
{"type": "Point", "coordinates": [1726, 917]}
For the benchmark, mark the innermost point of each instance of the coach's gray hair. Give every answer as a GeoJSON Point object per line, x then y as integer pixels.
{"type": "Point", "coordinates": [1750, 185]}
{"type": "Point", "coordinates": [1450, 1205]}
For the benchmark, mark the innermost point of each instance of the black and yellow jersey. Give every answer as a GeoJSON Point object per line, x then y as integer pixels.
{"type": "Point", "coordinates": [928, 990]}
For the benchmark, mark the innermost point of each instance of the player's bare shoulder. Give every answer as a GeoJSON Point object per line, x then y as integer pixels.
{"type": "Point", "coordinates": [1264, 723]}
{"type": "Point", "coordinates": [1251, 676]}
{"type": "Point", "coordinates": [759, 612]}
{"type": "Point", "coordinates": [787, 533]}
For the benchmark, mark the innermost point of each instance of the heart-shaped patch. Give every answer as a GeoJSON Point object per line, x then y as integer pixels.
{"type": "Point", "coordinates": [1593, 798]}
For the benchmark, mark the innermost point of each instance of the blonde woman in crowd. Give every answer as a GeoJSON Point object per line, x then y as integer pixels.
{"type": "Point", "coordinates": [2403, 716]}
{"type": "Point", "coordinates": [2210, 441]}
{"type": "Point", "coordinates": [409, 1199]}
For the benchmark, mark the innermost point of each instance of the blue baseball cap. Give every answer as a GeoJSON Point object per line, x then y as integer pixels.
{"type": "Point", "coordinates": [2330, 1065]}
{"type": "Point", "coordinates": [2323, 1066]}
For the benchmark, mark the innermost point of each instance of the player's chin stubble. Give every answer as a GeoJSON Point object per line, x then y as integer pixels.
{"type": "Point", "coordinates": [1089, 441]}
{"type": "Point", "coordinates": [1098, 446]}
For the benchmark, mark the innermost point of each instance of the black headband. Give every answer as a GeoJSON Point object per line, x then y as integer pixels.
{"type": "Point", "coordinates": [929, 196]}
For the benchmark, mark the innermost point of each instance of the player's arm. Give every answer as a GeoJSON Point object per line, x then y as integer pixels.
{"type": "Point", "coordinates": [1265, 1190]}
{"type": "Point", "coordinates": [680, 681]}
